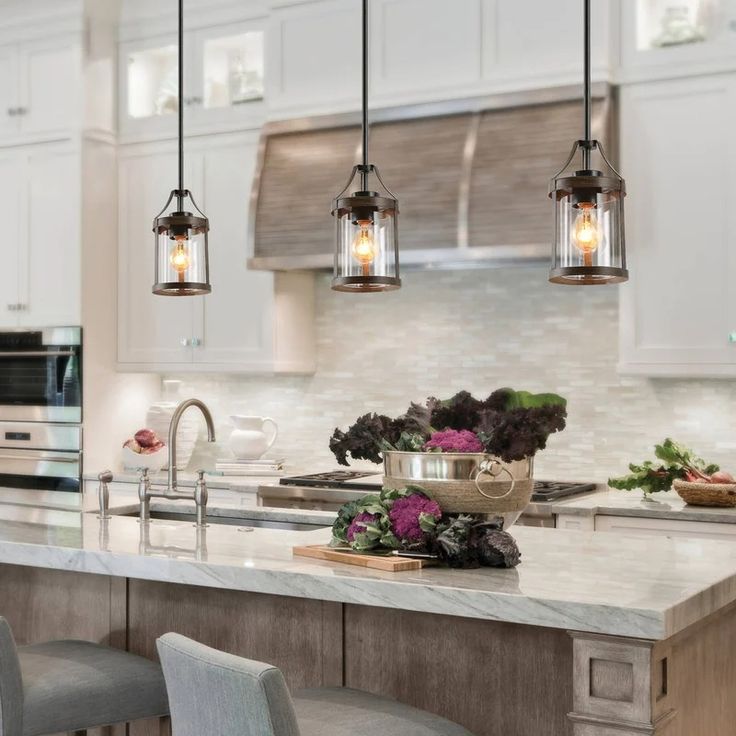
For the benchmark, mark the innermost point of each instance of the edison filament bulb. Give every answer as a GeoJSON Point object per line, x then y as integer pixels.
{"type": "Point", "coordinates": [364, 246]}
{"type": "Point", "coordinates": [586, 232]}
{"type": "Point", "coordinates": [180, 255]}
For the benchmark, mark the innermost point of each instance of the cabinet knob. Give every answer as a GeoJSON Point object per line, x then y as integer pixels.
{"type": "Point", "coordinates": [196, 342]}
{"type": "Point", "coordinates": [12, 112]}
{"type": "Point", "coordinates": [21, 110]}
{"type": "Point", "coordinates": [12, 307]}
{"type": "Point", "coordinates": [185, 342]}
{"type": "Point", "coordinates": [732, 336]}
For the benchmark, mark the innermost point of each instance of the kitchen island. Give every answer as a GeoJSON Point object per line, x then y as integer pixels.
{"type": "Point", "coordinates": [592, 635]}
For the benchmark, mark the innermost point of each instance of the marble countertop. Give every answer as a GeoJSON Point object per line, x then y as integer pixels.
{"type": "Point", "coordinates": [628, 586]}
{"type": "Point", "coordinates": [666, 505]}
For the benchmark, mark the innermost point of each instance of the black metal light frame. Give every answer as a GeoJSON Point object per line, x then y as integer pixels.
{"type": "Point", "coordinates": [589, 185]}
{"type": "Point", "coordinates": [181, 223]}
{"type": "Point", "coordinates": [364, 204]}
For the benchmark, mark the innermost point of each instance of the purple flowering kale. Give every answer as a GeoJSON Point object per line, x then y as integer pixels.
{"type": "Point", "coordinates": [454, 440]}
{"type": "Point", "coordinates": [511, 425]}
{"type": "Point", "coordinates": [359, 523]}
{"type": "Point", "coordinates": [413, 517]}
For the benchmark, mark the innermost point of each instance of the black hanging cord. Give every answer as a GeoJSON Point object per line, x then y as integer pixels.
{"type": "Point", "coordinates": [181, 106]}
{"type": "Point", "coordinates": [586, 84]}
{"type": "Point", "coordinates": [364, 171]}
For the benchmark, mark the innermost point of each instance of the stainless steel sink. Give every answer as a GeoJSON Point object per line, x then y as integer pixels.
{"type": "Point", "coordinates": [243, 521]}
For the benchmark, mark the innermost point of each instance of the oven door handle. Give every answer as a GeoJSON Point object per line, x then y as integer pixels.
{"type": "Point", "coordinates": [37, 354]}
{"type": "Point", "coordinates": [41, 458]}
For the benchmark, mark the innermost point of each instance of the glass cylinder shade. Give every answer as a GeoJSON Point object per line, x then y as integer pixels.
{"type": "Point", "coordinates": [589, 245]}
{"type": "Point", "coordinates": [367, 252]}
{"type": "Point", "coordinates": [182, 262]}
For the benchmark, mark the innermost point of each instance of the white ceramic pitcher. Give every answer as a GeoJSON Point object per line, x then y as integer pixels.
{"type": "Point", "coordinates": [250, 439]}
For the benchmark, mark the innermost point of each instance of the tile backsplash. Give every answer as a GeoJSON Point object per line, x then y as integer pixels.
{"type": "Point", "coordinates": [477, 330]}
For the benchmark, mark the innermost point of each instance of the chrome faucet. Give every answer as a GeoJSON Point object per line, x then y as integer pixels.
{"type": "Point", "coordinates": [146, 492]}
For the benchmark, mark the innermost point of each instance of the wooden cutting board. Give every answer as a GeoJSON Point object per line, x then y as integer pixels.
{"type": "Point", "coordinates": [375, 562]}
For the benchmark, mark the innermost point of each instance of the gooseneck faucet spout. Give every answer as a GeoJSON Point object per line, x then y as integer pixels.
{"type": "Point", "coordinates": [174, 428]}
{"type": "Point", "coordinates": [146, 491]}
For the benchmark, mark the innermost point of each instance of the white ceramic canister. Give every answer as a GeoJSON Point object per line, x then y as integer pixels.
{"type": "Point", "coordinates": [250, 439]}
{"type": "Point", "coordinates": [158, 418]}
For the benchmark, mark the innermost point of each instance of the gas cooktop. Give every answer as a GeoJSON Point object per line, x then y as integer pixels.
{"type": "Point", "coordinates": [362, 480]}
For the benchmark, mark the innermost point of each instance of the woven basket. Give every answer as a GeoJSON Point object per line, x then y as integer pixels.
{"type": "Point", "coordinates": [459, 484]}
{"type": "Point", "coordinates": [706, 494]}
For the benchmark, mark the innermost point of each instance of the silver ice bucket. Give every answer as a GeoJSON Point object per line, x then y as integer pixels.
{"type": "Point", "coordinates": [461, 482]}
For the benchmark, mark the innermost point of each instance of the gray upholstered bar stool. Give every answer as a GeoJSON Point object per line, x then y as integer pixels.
{"type": "Point", "coordinates": [71, 686]}
{"type": "Point", "coordinates": [219, 694]}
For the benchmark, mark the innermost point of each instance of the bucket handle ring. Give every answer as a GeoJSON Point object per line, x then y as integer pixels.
{"type": "Point", "coordinates": [492, 468]}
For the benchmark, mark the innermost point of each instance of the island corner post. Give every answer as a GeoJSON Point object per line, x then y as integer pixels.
{"type": "Point", "coordinates": [494, 677]}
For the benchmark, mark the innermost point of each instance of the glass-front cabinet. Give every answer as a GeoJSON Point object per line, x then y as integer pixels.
{"type": "Point", "coordinates": [662, 38]}
{"type": "Point", "coordinates": [223, 82]}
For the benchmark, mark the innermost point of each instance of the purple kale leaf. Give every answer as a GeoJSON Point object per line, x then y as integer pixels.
{"type": "Point", "coordinates": [462, 411]}
{"type": "Point", "coordinates": [363, 440]}
{"type": "Point", "coordinates": [519, 433]}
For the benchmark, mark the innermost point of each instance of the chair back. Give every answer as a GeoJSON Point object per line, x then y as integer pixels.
{"type": "Point", "coordinates": [218, 694]}
{"type": "Point", "coordinates": [11, 684]}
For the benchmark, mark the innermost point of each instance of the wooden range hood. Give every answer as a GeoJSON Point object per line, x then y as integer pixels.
{"type": "Point", "coordinates": [472, 177]}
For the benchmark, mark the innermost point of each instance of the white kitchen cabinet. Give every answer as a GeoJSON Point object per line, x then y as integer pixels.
{"type": "Point", "coordinates": [252, 321]}
{"type": "Point", "coordinates": [644, 23]}
{"type": "Point", "coordinates": [313, 57]}
{"type": "Point", "coordinates": [576, 523]}
{"type": "Point", "coordinates": [9, 92]}
{"type": "Point", "coordinates": [50, 89]}
{"type": "Point", "coordinates": [421, 46]}
{"type": "Point", "coordinates": [151, 329]}
{"type": "Point", "coordinates": [41, 233]}
{"type": "Point", "coordinates": [50, 285]}
{"type": "Point", "coordinates": [678, 311]}
{"type": "Point", "coordinates": [664, 527]}
{"type": "Point", "coordinates": [223, 83]}
{"type": "Point", "coordinates": [40, 89]}
{"type": "Point", "coordinates": [11, 175]}
{"type": "Point", "coordinates": [425, 51]}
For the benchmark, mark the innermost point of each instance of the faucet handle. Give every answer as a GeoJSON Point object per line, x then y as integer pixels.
{"type": "Point", "coordinates": [103, 493]}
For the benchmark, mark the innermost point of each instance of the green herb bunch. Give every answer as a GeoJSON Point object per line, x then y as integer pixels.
{"type": "Point", "coordinates": [674, 461]}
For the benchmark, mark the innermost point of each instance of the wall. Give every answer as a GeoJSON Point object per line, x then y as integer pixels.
{"type": "Point", "coordinates": [113, 402]}
{"type": "Point", "coordinates": [478, 330]}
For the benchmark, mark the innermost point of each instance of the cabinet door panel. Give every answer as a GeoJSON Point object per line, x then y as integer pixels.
{"type": "Point", "coordinates": [677, 311]}
{"type": "Point", "coordinates": [51, 99]}
{"type": "Point", "coordinates": [151, 328]}
{"type": "Point", "coordinates": [50, 256]}
{"type": "Point", "coordinates": [426, 45]}
{"type": "Point", "coordinates": [665, 528]}
{"type": "Point", "coordinates": [9, 121]}
{"type": "Point", "coordinates": [313, 57]}
{"type": "Point", "coordinates": [12, 183]}
{"type": "Point", "coordinates": [237, 317]}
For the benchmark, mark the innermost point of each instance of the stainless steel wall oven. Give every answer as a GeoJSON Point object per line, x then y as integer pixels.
{"type": "Point", "coordinates": [41, 408]}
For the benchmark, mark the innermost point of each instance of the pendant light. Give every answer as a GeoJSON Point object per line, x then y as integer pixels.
{"type": "Point", "coordinates": [367, 253]}
{"type": "Point", "coordinates": [589, 245]}
{"type": "Point", "coordinates": [182, 262]}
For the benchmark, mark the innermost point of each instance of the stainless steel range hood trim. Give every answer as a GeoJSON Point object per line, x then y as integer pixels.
{"type": "Point", "coordinates": [490, 256]}
{"type": "Point", "coordinates": [461, 255]}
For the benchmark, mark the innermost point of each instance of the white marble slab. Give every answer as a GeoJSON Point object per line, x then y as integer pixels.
{"type": "Point", "coordinates": [627, 586]}
{"type": "Point", "coordinates": [665, 505]}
